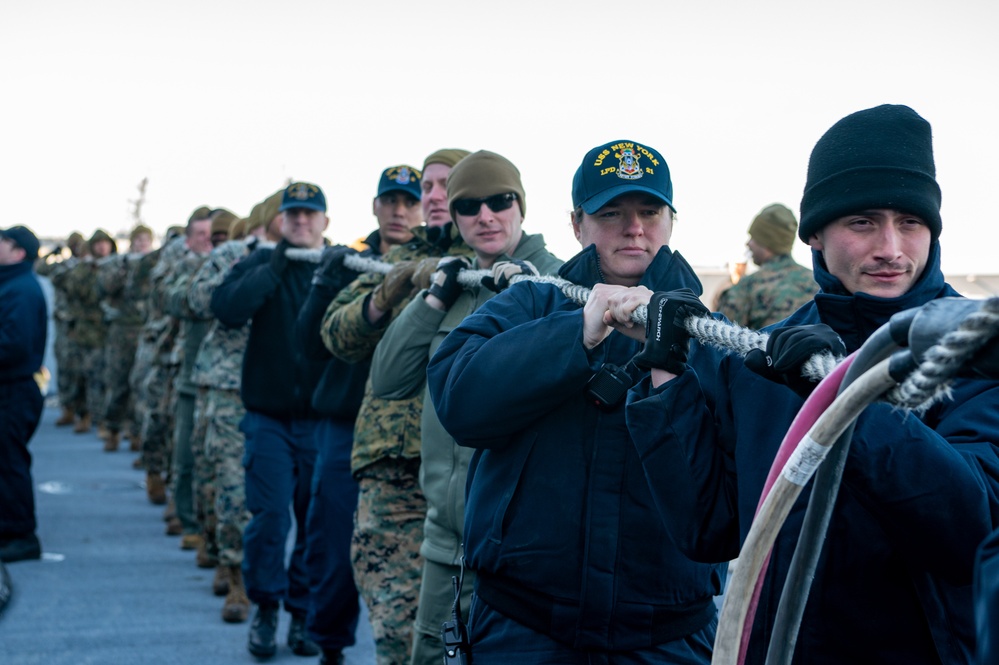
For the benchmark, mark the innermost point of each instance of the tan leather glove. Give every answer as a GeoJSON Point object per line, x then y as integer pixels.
{"type": "Point", "coordinates": [396, 286]}
{"type": "Point", "coordinates": [424, 269]}
{"type": "Point", "coordinates": [504, 270]}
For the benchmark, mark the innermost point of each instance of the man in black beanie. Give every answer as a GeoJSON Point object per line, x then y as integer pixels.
{"type": "Point", "coordinates": [919, 491]}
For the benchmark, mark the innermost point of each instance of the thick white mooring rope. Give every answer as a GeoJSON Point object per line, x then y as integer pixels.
{"type": "Point", "coordinates": [923, 387]}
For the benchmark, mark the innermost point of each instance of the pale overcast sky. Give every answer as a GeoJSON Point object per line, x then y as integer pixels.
{"type": "Point", "coordinates": [218, 102]}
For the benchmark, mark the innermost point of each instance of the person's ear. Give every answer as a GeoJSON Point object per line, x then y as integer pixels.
{"type": "Point", "coordinates": [575, 226]}
{"type": "Point", "coordinates": [815, 241]}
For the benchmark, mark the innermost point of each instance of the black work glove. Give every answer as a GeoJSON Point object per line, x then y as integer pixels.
{"type": "Point", "coordinates": [984, 364]}
{"type": "Point", "coordinates": [504, 270]}
{"type": "Point", "coordinates": [424, 271]}
{"type": "Point", "coordinates": [279, 260]}
{"type": "Point", "coordinates": [444, 283]}
{"type": "Point", "coordinates": [787, 351]}
{"type": "Point", "coordinates": [331, 272]}
{"type": "Point", "coordinates": [666, 338]}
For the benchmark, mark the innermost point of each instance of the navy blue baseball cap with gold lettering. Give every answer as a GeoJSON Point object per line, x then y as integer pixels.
{"type": "Point", "coordinates": [402, 178]}
{"type": "Point", "coordinates": [620, 167]}
{"type": "Point", "coordinates": [303, 195]}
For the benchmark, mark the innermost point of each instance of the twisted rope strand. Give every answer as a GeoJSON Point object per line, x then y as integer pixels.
{"type": "Point", "coordinates": [930, 382]}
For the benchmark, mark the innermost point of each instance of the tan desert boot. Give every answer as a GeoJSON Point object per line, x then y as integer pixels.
{"type": "Point", "coordinates": [236, 608]}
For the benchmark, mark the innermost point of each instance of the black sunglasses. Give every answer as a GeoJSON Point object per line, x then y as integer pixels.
{"type": "Point", "coordinates": [496, 203]}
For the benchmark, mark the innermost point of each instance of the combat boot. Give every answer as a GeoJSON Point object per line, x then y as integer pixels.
{"type": "Point", "coordinates": [236, 608]}
{"type": "Point", "coordinates": [135, 443]}
{"type": "Point", "coordinates": [191, 541]}
{"type": "Point", "coordinates": [298, 638]}
{"type": "Point", "coordinates": [67, 418]}
{"type": "Point", "coordinates": [331, 657]}
{"type": "Point", "coordinates": [174, 526]}
{"type": "Point", "coordinates": [111, 441]}
{"type": "Point", "coordinates": [220, 585]}
{"type": "Point", "coordinates": [204, 559]}
{"type": "Point", "coordinates": [82, 425]}
{"type": "Point", "coordinates": [263, 631]}
{"type": "Point", "coordinates": [155, 489]}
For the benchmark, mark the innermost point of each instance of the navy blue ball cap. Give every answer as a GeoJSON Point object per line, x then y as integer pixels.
{"type": "Point", "coordinates": [402, 178]}
{"type": "Point", "coordinates": [23, 238]}
{"type": "Point", "coordinates": [303, 195]}
{"type": "Point", "coordinates": [620, 167]}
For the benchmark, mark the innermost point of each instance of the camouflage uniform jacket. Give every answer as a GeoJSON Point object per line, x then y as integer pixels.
{"type": "Point", "coordinates": [384, 428]}
{"type": "Point", "coordinates": [769, 295]}
{"type": "Point", "coordinates": [161, 328]}
{"type": "Point", "coordinates": [121, 306]}
{"type": "Point", "coordinates": [219, 363]}
{"type": "Point", "coordinates": [139, 288]}
{"type": "Point", "coordinates": [399, 369]}
{"type": "Point", "coordinates": [193, 328]}
{"type": "Point", "coordinates": [56, 271]}
{"type": "Point", "coordinates": [88, 328]}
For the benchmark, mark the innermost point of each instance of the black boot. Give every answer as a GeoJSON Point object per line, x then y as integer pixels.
{"type": "Point", "coordinates": [331, 657]}
{"type": "Point", "coordinates": [20, 548]}
{"type": "Point", "coordinates": [298, 637]}
{"type": "Point", "coordinates": [263, 631]}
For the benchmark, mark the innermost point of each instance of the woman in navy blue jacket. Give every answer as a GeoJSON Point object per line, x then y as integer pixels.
{"type": "Point", "coordinates": [572, 561]}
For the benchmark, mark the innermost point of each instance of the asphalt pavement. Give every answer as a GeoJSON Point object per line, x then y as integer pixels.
{"type": "Point", "coordinates": [111, 588]}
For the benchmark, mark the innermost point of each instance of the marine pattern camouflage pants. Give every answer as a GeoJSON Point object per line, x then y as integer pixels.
{"type": "Point", "coordinates": [120, 349]}
{"type": "Point", "coordinates": [145, 353]}
{"type": "Point", "coordinates": [65, 370]}
{"type": "Point", "coordinates": [223, 457]}
{"type": "Point", "coordinates": [385, 553]}
{"type": "Point", "coordinates": [158, 418]}
{"type": "Point", "coordinates": [204, 511]}
{"type": "Point", "coordinates": [93, 371]}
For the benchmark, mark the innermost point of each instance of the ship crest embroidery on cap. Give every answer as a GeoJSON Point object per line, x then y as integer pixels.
{"type": "Point", "coordinates": [401, 174]}
{"type": "Point", "coordinates": [302, 192]}
{"type": "Point", "coordinates": [629, 168]}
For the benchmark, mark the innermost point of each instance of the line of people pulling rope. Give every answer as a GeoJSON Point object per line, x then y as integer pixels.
{"type": "Point", "coordinates": [917, 493]}
{"type": "Point", "coordinates": [959, 329]}
{"type": "Point", "coordinates": [517, 459]}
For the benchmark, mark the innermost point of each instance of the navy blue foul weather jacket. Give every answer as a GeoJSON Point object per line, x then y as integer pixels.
{"type": "Point", "coordinates": [340, 389]}
{"type": "Point", "coordinates": [277, 378]}
{"type": "Point", "coordinates": [919, 492]}
{"type": "Point", "coordinates": [560, 524]}
{"type": "Point", "coordinates": [23, 322]}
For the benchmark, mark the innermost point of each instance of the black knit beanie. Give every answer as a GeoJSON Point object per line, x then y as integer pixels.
{"type": "Point", "coordinates": [876, 158]}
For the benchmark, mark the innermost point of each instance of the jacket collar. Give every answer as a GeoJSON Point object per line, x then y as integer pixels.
{"type": "Point", "coordinates": [667, 271]}
{"type": "Point", "coordinates": [855, 316]}
{"type": "Point", "coordinates": [15, 269]}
